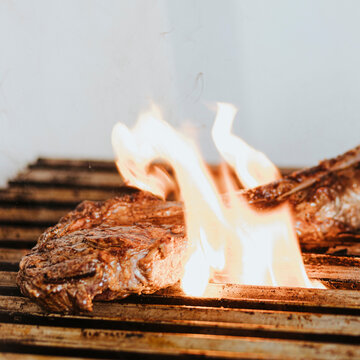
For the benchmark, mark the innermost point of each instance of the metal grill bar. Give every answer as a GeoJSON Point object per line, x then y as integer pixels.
{"type": "Point", "coordinates": [175, 343]}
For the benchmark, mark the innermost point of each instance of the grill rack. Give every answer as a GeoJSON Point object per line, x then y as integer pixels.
{"type": "Point", "coordinates": [232, 321]}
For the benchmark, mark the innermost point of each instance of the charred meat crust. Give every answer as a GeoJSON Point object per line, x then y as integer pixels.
{"type": "Point", "coordinates": [308, 180]}
{"type": "Point", "coordinates": [93, 252]}
{"type": "Point", "coordinates": [325, 199]}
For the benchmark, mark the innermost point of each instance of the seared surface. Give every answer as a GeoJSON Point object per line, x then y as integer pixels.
{"type": "Point", "coordinates": [325, 199]}
{"type": "Point", "coordinates": [98, 252]}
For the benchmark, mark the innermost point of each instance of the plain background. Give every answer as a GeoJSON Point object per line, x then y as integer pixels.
{"type": "Point", "coordinates": [70, 69]}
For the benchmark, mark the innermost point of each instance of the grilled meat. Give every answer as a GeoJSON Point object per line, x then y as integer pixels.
{"type": "Point", "coordinates": [137, 243]}
{"type": "Point", "coordinates": [325, 199]}
{"type": "Point", "coordinates": [105, 250]}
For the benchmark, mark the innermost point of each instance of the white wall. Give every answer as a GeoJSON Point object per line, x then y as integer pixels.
{"type": "Point", "coordinates": [70, 69]}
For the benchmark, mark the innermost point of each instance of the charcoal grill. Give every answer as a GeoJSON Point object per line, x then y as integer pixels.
{"type": "Point", "coordinates": [232, 321]}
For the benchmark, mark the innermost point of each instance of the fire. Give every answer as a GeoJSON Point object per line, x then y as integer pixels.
{"type": "Point", "coordinates": [252, 167]}
{"type": "Point", "coordinates": [228, 240]}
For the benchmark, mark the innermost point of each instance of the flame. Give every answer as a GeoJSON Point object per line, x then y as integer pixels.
{"type": "Point", "coordinates": [228, 240]}
{"type": "Point", "coordinates": [252, 167]}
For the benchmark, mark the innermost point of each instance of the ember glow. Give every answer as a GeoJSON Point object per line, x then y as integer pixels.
{"type": "Point", "coordinates": [228, 240]}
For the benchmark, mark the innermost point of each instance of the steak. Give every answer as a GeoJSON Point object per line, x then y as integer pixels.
{"type": "Point", "coordinates": [137, 243]}
{"type": "Point", "coordinates": [325, 199]}
{"type": "Point", "coordinates": [105, 250]}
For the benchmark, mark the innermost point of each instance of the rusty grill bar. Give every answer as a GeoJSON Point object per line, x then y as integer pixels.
{"type": "Point", "coordinates": [231, 321]}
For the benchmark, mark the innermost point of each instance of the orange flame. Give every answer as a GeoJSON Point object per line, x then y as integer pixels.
{"type": "Point", "coordinates": [228, 240]}
{"type": "Point", "coordinates": [252, 167]}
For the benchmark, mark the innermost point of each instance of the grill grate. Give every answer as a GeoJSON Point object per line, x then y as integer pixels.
{"type": "Point", "coordinates": [231, 321]}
